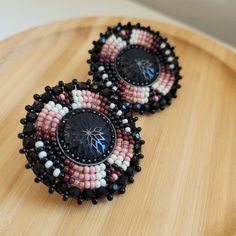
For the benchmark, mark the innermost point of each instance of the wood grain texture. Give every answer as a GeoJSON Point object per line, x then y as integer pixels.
{"type": "Point", "coordinates": [187, 185]}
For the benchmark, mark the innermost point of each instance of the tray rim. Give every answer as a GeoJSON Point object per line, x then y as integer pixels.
{"type": "Point", "coordinates": [223, 53]}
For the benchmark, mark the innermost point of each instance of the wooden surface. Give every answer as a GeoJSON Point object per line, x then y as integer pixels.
{"type": "Point", "coordinates": [188, 182]}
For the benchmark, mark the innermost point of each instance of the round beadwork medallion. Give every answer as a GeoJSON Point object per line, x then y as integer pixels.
{"type": "Point", "coordinates": [80, 139]}
{"type": "Point", "coordinates": [138, 64]}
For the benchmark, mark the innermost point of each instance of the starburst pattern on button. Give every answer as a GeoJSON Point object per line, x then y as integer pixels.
{"type": "Point", "coordinates": [95, 139]}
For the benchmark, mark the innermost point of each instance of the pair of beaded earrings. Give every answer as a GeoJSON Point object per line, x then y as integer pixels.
{"type": "Point", "coordinates": [80, 138]}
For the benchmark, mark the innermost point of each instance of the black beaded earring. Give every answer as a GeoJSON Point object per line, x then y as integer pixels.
{"type": "Point", "coordinates": [81, 143]}
{"type": "Point", "coordinates": [138, 64]}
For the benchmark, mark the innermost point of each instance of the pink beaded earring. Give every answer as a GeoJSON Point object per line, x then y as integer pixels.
{"type": "Point", "coordinates": [138, 64]}
{"type": "Point", "coordinates": [81, 143]}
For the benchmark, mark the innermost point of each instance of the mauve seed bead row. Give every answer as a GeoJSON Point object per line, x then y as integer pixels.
{"type": "Point", "coordinates": [123, 151]}
{"type": "Point", "coordinates": [64, 97]}
{"type": "Point", "coordinates": [111, 48]}
{"type": "Point", "coordinates": [140, 95]}
{"type": "Point", "coordinates": [145, 39]}
{"type": "Point", "coordinates": [48, 120]}
{"type": "Point", "coordinates": [84, 177]}
{"type": "Point", "coordinates": [165, 81]}
{"type": "Point", "coordinates": [114, 174]}
{"type": "Point", "coordinates": [87, 99]}
{"type": "Point", "coordinates": [46, 123]}
{"type": "Point", "coordinates": [134, 94]}
{"type": "Point", "coordinates": [124, 33]}
{"type": "Point", "coordinates": [122, 155]}
{"type": "Point", "coordinates": [141, 37]}
{"type": "Point", "coordinates": [154, 96]}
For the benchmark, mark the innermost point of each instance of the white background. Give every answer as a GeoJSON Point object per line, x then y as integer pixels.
{"type": "Point", "coordinates": [18, 15]}
{"type": "Point", "coordinates": [216, 17]}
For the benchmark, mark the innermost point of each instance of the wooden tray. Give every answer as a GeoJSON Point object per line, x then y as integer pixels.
{"type": "Point", "coordinates": [188, 183]}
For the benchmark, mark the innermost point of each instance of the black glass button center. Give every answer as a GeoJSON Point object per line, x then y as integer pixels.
{"type": "Point", "coordinates": [86, 136]}
{"type": "Point", "coordinates": [137, 66]}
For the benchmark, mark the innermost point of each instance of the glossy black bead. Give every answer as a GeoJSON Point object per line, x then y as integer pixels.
{"type": "Point", "coordinates": [51, 190]}
{"type": "Point", "coordinates": [32, 156]}
{"type": "Point", "coordinates": [95, 88]}
{"type": "Point", "coordinates": [23, 121]}
{"type": "Point", "coordinates": [122, 181]}
{"type": "Point", "coordinates": [163, 102]}
{"type": "Point", "coordinates": [31, 117]}
{"type": "Point", "coordinates": [37, 97]}
{"type": "Point", "coordinates": [65, 197]}
{"type": "Point", "coordinates": [122, 190]}
{"type": "Point", "coordinates": [97, 48]}
{"type": "Point", "coordinates": [141, 142]}
{"type": "Point", "coordinates": [110, 197]}
{"type": "Point", "coordinates": [75, 81]}
{"type": "Point", "coordinates": [46, 97]}
{"type": "Point", "coordinates": [48, 180]}
{"type": "Point", "coordinates": [38, 106]}
{"type": "Point", "coordinates": [48, 88]}
{"type": "Point", "coordinates": [38, 169]}
{"type": "Point", "coordinates": [146, 107]}
{"type": "Point", "coordinates": [80, 200]}
{"type": "Point", "coordinates": [61, 187]}
{"type": "Point", "coordinates": [138, 168]}
{"type": "Point", "coordinates": [21, 135]}
{"type": "Point", "coordinates": [102, 192]}
{"type": "Point", "coordinates": [37, 179]}
{"type": "Point", "coordinates": [28, 166]}
{"type": "Point", "coordinates": [106, 92]}
{"type": "Point", "coordinates": [69, 87]}
{"type": "Point", "coordinates": [137, 107]}
{"type": "Point", "coordinates": [28, 108]}
{"type": "Point", "coordinates": [28, 129]}
{"type": "Point", "coordinates": [134, 161]}
{"type": "Point", "coordinates": [137, 148]}
{"type": "Point", "coordinates": [94, 201]}
{"type": "Point", "coordinates": [94, 57]}
{"type": "Point", "coordinates": [74, 192]}
{"type": "Point", "coordinates": [28, 142]}
{"type": "Point", "coordinates": [130, 171]}
{"type": "Point", "coordinates": [82, 85]}
{"type": "Point", "coordinates": [140, 156]}
{"type": "Point", "coordinates": [89, 194]}
{"type": "Point", "coordinates": [113, 187]}
{"type": "Point", "coordinates": [155, 106]}
{"type": "Point", "coordinates": [56, 90]}
{"type": "Point", "coordinates": [22, 150]}
{"type": "Point", "coordinates": [61, 83]}
{"type": "Point", "coordinates": [131, 179]}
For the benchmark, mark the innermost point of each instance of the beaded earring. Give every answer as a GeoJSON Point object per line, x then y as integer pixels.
{"type": "Point", "coordinates": [138, 64]}
{"type": "Point", "coordinates": [81, 143]}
